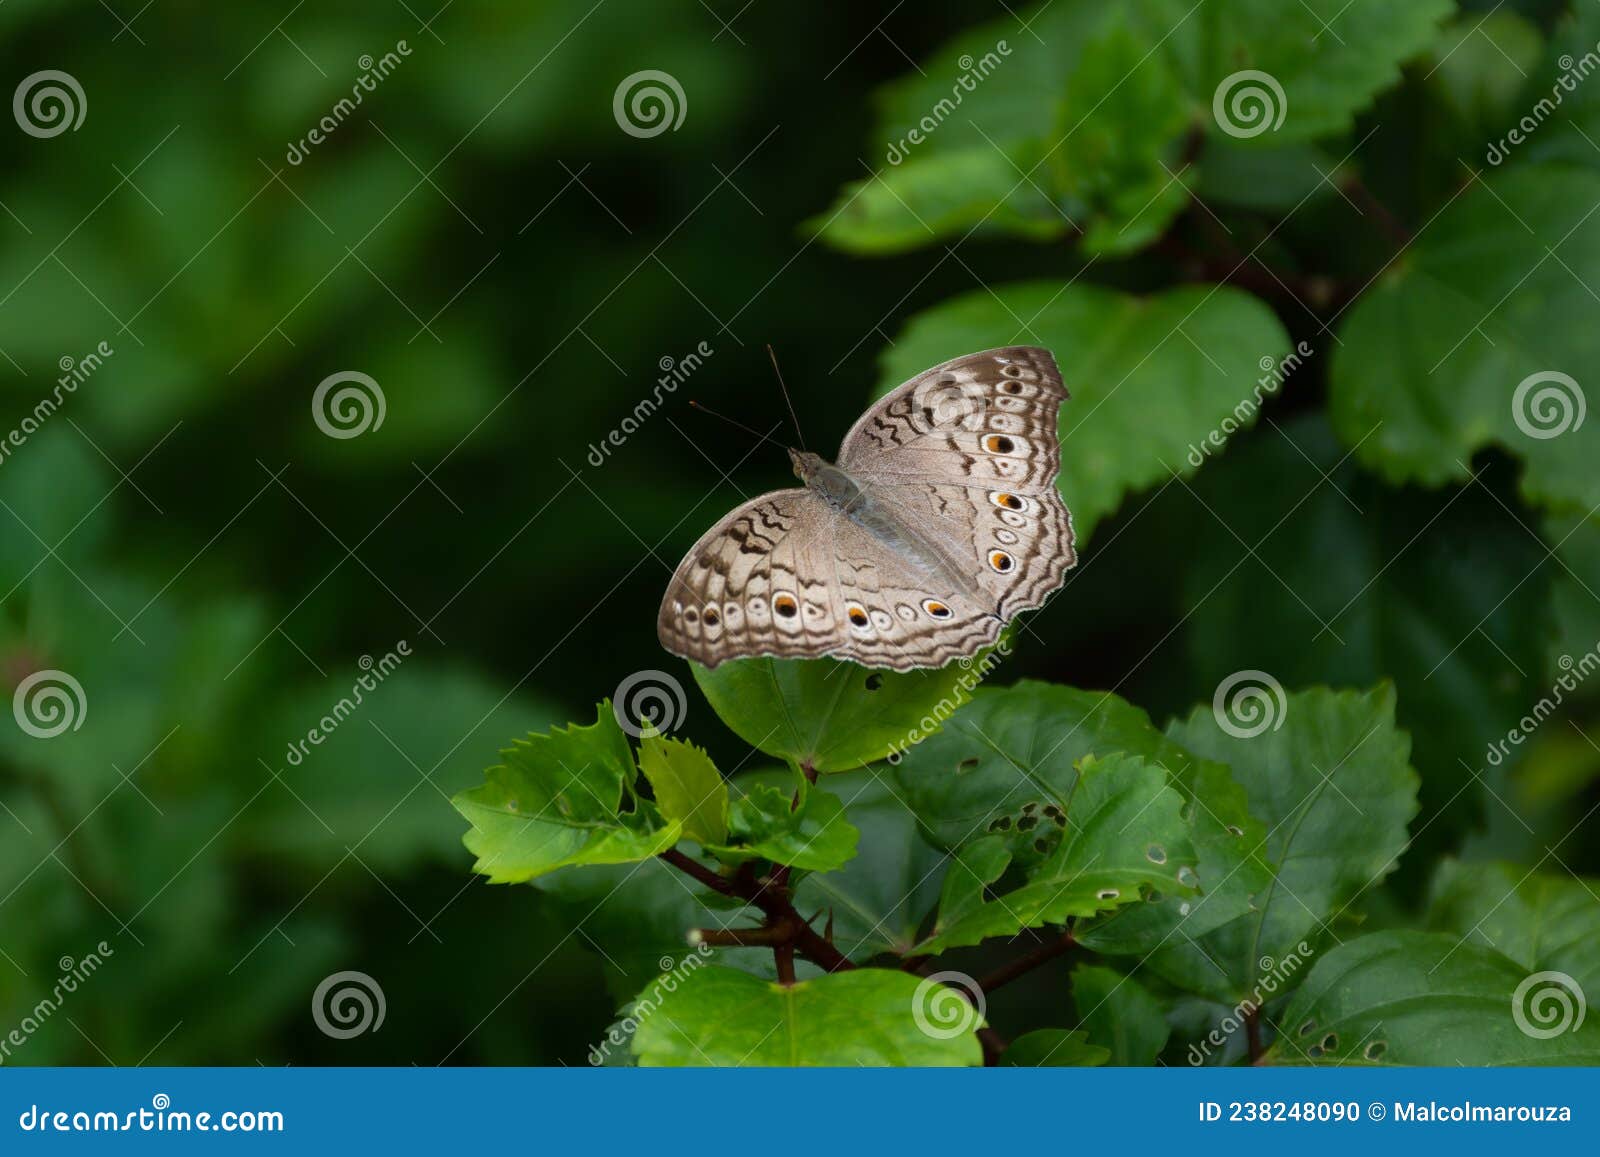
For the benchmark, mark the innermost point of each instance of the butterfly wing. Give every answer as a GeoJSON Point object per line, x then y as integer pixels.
{"type": "Point", "coordinates": [966, 455]}
{"type": "Point", "coordinates": [788, 576]}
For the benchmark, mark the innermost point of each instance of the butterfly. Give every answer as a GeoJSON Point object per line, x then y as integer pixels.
{"type": "Point", "coordinates": [938, 524]}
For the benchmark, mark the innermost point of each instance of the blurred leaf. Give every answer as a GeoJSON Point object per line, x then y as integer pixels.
{"type": "Point", "coordinates": [1150, 377]}
{"type": "Point", "coordinates": [1454, 349]}
{"type": "Point", "coordinates": [688, 787]}
{"type": "Point", "coordinates": [719, 1016]}
{"type": "Point", "coordinates": [1053, 1048]}
{"type": "Point", "coordinates": [556, 802]}
{"type": "Point", "coordinates": [827, 714]}
{"type": "Point", "coordinates": [1120, 836]}
{"type": "Point", "coordinates": [1417, 998]}
{"type": "Point", "coordinates": [1119, 1014]}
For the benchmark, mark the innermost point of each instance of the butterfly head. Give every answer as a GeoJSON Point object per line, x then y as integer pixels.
{"type": "Point", "coordinates": [806, 464]}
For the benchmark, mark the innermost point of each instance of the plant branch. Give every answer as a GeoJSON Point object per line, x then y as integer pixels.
{"type": "Point", "coordinates": [1252, 1032]}
{"type": "Point", "coordinates": [1042, 954]}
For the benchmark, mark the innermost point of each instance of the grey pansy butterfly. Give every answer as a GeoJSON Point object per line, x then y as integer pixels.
{"type": "Point", "coordinates": [940, 522]}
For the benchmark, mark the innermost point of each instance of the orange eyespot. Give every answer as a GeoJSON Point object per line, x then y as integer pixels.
{"type": "Point", "coordinates": [1001, 561]}
{"type": "Point", "coordinates": [786, 606]}
{"type": "Point", "coordinates": [1009, 501]}
{"type": "Point", "coordinates": [998, 444]}
{"type": "Point", "coordinates": [936, 609]}
{"type": "Point", "coordinates": [858, 615]}
{"type": "Point", "coordinates": [712, 618]}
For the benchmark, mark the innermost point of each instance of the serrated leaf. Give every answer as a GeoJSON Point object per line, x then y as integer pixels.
{"type": "Point", "coordinates": [556, 802]}
{"type": "Point", "coordinates": [828, 714]}
{"type": "Point", "coordinates": [1334, 787]}
{"type": "Point", "coordinates": [1119, 1014]}
{"type": "Point", "coordinates": [688, 787]}
{"type": "Point", "coordinates": [1053, 1048]}
{"type": "Point", "coordinates": [765, 824]}
{"type": "Point", "coordinates": [1460, 346]}
{"type": "Point", "coordinates": [1543, 921]}
{"type": "Point", "coordinates": [1150, 377]}
{"type": "Point", "coordinates": [1122, 834]}
{"type": "Point", "coordinates": [719, 1016]}
{"type": "Point", "coordinates": [1417, 998]}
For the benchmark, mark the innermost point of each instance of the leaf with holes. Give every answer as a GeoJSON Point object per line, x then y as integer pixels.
{"type": "Point", "coordinates": [1330, 778]}
{"type": "Point", "coordinates": [1151, 377]}
{"type": "Point", "coordinates": [1419, 998]}
{"type": "Point", "coordinates": [557, 801]}
{"type": "Point", "coordinates": [722, 1017]}
{"type": "Point", "coordinates": [1121, 835]}
{"type": "Point", "coordinates": [827, 714]}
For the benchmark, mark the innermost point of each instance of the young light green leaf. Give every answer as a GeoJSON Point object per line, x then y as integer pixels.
{"type": "Point", "coordinates": [556, 801]}
{"type": "Point", "coordinates": [1151, 377]}
{"type": "Point", "coordinates": [688, 787]}
{"type": "Point", "coordinates": [1331, 780]}
{"type": "Point", "coordinates": [870, 1016]}
{"type": "Point", "coordinates": [1119, 1014]}
{"type": "Point", "coordinates": [1053, 1048]}
{"type": "Point", "coordinates": [1119, 835]}
{"type": "Point", "coordinates": [828, 714]}
{"type": "Point", "coordinates": [765, 824]}
{"type": "Point", "coordinates": [1419, 998]}
{"type": "Point", "coordinates": [1479, 338]}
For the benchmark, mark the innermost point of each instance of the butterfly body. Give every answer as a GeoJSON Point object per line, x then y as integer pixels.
{"type": "Point", "coordinates": [939, 523]}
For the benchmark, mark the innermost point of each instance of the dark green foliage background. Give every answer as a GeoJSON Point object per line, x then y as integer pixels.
{"type": "Point", "coordinates": [257, 561]}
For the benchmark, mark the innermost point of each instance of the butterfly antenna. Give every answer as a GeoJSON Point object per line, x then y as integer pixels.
{"type": "Point", "coordinates": [787, 399]}
{"type": "Point", "coordinates": [731, 421]}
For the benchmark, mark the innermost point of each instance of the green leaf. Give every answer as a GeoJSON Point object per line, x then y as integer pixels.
{"type": "Point", "coordinates": [828, 714]}
{"type": "Point", "coordinates": [765, 824]}
{"type": "Point", "coordinates": [1460, 345]}
{"type": "Point", "coordinates": [719, 1016]}
{"type": "Point", "coordinates": [1543, 921]}
{"type": "Point", "coordinates": [688, 787]}
{"type": "Point", "coordinates": [556, 802]}
{"type": "Point", "coordinates": [1119, 1014]}
{"type": "Point", "coordinates": [1557, 113]}
{"type": "Point", "coordinates": [1331, 781]}
{"type": "Point", "coordinates": [1053, 1048]}
{"type": "Point", "coordinates": [1417, 998]}
{"type": "Point", "coordinates": [1119, 834]}
{"type": "Point", "coordinates": [1150, 377]}
{"type": "Point", "coordinates": [878, 901]}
